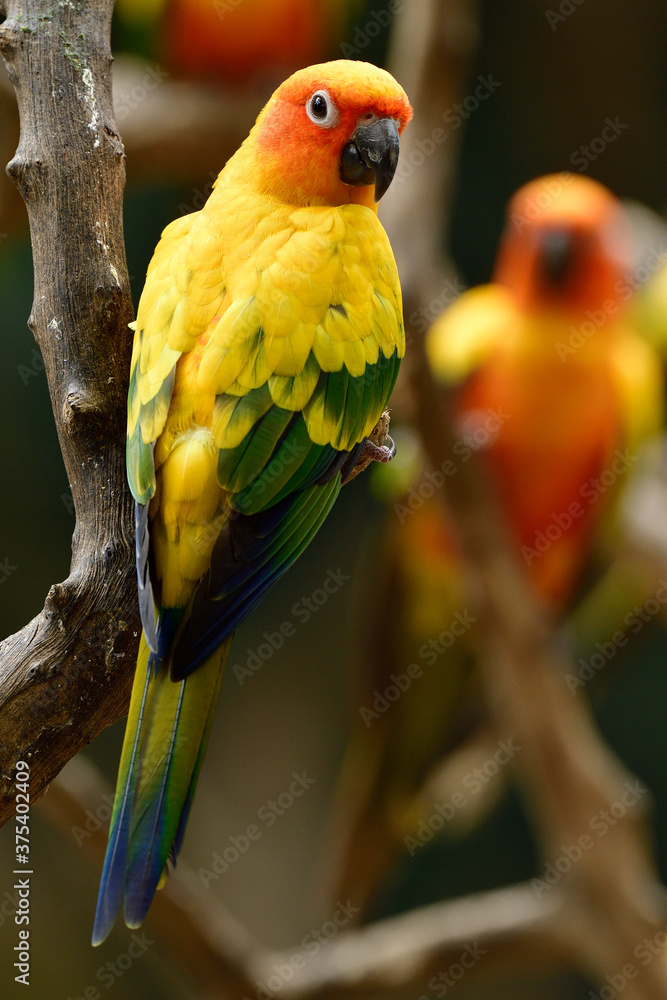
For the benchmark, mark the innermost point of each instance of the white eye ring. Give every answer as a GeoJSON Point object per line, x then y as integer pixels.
{"type": "Point", "coordinates": [321, 102]}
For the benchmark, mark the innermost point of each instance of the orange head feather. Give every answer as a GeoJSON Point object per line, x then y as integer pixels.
{"type": "Point", "coordinates": [302, 140]}
{"type": "Point", "coordinates": [566, 246]}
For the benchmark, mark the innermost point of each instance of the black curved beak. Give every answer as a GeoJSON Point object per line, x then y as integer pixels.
{"type": "Point", "coordinates": [558, 251]}
{"type": "Point", "coordinates": [371, 155]}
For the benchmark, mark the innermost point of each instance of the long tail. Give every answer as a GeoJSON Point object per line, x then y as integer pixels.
{"type": "Point", "coordinates": [165, 741]}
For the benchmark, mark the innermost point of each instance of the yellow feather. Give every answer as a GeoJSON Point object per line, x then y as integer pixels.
{"type": "Point", "coordinates": [371, 350]}
{"type": "Point", "coordinates": [182, 556]}
{"type": "Point", "coordinates": [354, 357]}
{"type": "Point", "coordinates": [328, 352]}
{"type": "Point", "coordinates": [232, 420]}
{"type": "Point", "coordinates": [386, 324]}
{"type": "Point", "coordinates": [315, 420]}
{"type": "Point", "coordinates": [179, 337]}
{"type": "Point", "coordinates": [190, 501]}
{"type": "Point", "coordinates": [469, 330]}
{"type": "Point", "coordinates": [287, 356]}
{"type": "Point", "coordinates": [229, 347]}
{"type": "Point", "coordinates": [338, 326]}
{"type": "Point", "coordinates": [256, 370]}
{"type": "Point", "coordinates": [151, 381]}
{"type": "Point", "coordinates": [187, 474]}
{"type": "Point", "coordinates": [151, 348]}
{"type": "Point", "coordinates": [155, 314]}
{"type": "Point", "coordinates": [638, 372]}
{"type": "Point", "coordinates": [292, 393]}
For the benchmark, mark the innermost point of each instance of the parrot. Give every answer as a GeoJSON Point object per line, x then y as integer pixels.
{"type": "Point", "coordinates": [558, 389]}
{"type": "Point", "coordinates": [267, 341]}
{"type": "Point", "coordinates": [549, 352]}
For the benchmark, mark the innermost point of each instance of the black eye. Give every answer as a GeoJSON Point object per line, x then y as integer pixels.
{"type": "Point", "coordinates": [321, 110]}
{"type": "Point", "coordinates": [319, 106]}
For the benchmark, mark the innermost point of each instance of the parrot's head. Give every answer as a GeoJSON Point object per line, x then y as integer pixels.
{"type": "Point", "coordinates": [566, 246]}
{"type": "Point", "coordinates": [329, 135]}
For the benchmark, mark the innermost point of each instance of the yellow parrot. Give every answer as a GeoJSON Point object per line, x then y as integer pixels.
{"type": "Point", "coordinates": [558, 389]}
{"type": "Point", "coordinates": [267, 343]}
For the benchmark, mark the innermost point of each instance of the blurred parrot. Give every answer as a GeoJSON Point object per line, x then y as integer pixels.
{"type": "Point", "coordinates": [267, 342]}
{"type": "Point", "coordinates": [233, 40]}
{"type": "Point", "coordinates": [558, 389]}
{"type": "Point", "coordinates": [549, 352]}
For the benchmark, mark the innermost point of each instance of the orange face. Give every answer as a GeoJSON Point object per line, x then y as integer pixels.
{"type": "Point", "coordinates": [329, 135]}
{"type": "Point", "coordinates": [566, 245]}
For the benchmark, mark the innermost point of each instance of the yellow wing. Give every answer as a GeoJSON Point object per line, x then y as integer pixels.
{"type": "Point", "coordinates": [638, 373]}
{"type": "Point", "coordinates": [469, 330]}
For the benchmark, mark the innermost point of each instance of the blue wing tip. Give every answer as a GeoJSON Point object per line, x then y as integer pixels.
{"type": "Point", "coordinates": [105, 918]}
{"type": "Point", "coordinates": [137, 908]}
{"type": "Point", "coordinates": [104, 921]}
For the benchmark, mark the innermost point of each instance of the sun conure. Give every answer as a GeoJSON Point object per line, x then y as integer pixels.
{"type": "Point", "coordinates": [558, 390]}
{"type": "Point", "coordinates": [267, 342]}
{"type": "Point", "coordinates": [547, 352]}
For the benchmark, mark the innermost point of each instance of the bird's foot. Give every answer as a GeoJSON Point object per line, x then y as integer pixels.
{"type": "Point", "coordinates": [379, 452]}
{"type": "Point", "coordinates": [379, 447]}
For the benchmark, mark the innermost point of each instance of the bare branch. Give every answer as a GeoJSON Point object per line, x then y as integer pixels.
{"type": "Point", "coordinates": [67, 674]}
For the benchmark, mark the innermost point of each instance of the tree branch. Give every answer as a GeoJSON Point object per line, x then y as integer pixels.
{"type": "Point", "coordinates": [67, 674]}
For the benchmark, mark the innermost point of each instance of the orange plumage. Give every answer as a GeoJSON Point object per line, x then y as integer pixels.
{"type": "Point", "coordinates": [549, 350]}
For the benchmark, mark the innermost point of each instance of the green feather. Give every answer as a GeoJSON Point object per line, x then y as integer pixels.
{"type": "Point", "coordinates": [235, 416]}
{"type": "Point", "coordinates": [237, 467]}
{"type": "Point", "coordinates": [140, 471]}
{"type": "Point", "coordinates": [153, 414]}
{"type": "Point", "coordinates": [283, 473]}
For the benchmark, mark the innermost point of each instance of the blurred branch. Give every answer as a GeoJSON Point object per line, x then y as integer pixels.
{"type": "Point", "coordinates": [612, 898]}
{"type": "Point", "coordinates": [187, 919]}
{"type": "Point", "coordinates": [67, 674]}
{"type": "Point", "coordinates": [496, 929]}
{"type": "Point", "coordinates": [430, 55]}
